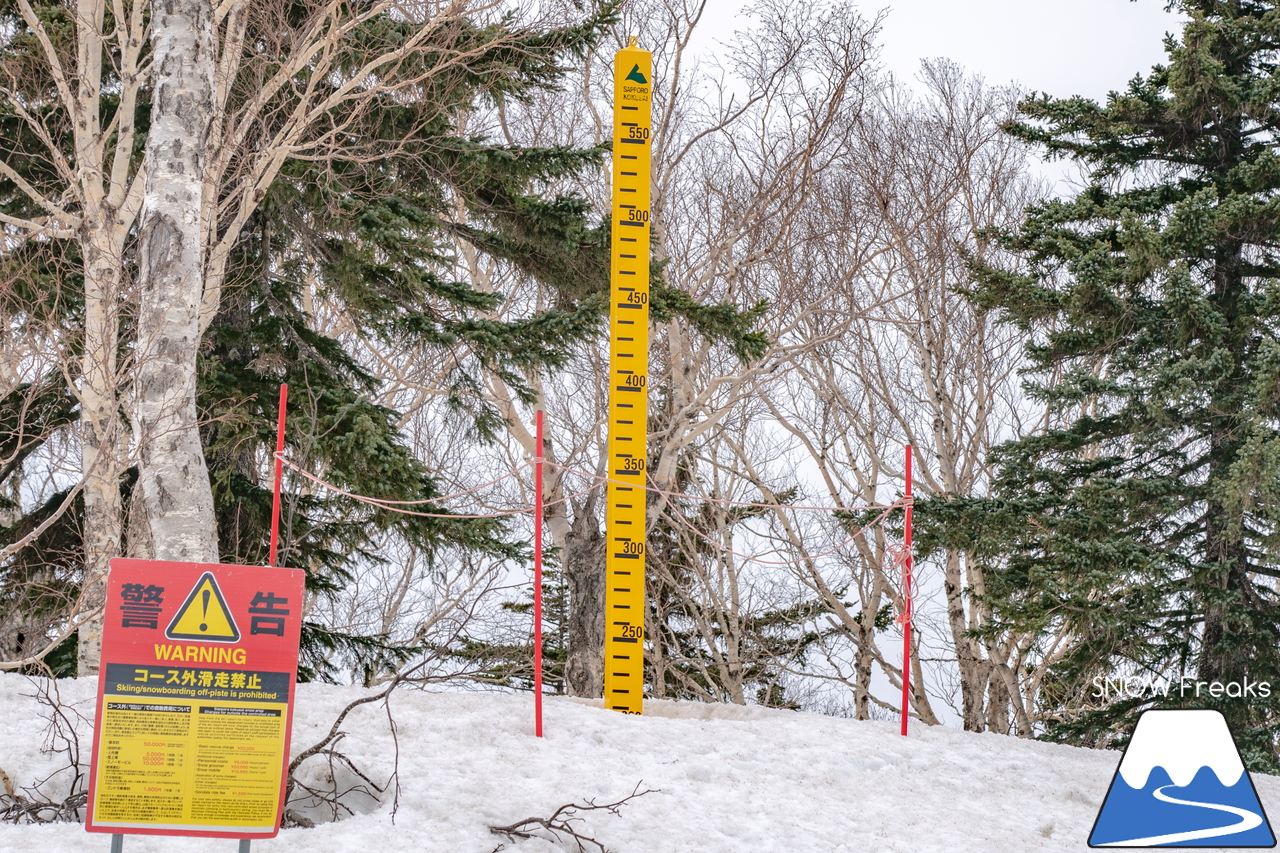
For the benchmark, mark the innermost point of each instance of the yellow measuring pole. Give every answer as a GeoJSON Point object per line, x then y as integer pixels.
{"type": "Point", "coordinates": [628, 382]}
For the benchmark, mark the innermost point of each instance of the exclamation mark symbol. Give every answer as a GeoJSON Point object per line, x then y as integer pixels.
{"type": "Point", "coordinates": [204, 600]}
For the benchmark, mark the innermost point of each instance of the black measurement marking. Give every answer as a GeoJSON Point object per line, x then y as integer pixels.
{"type": "Point", "coordinates": [628, 322]}
{"type": "Point", "coordinates": [622, 657]}
{"type": "Point", "coordinates": [625, 190]}
{"type": "Point", "coordinates": [632, 289]}
{"type": "Point", "coordinates": [626, 371]}
{"type": "Point", "coordinates": [626, 256]}
{"type": "Point", "coordinates": [624, 506]}
{"type": "Point", "coordinates": [632, 224]}
{"type": "Point", "coordinates": [627, 556]}
{"type": "Point", "coordinates": [633, 141]}
{"type": "Point", "coordinates": [620, 675]}
{"type": "Point", "coordinates": [626, 339]}
{"type": "Point", "coordinates": [629, 124]}
{"type": "Point", "coordinates": [620, 438]}
{"type": "Point", "coordinates": [622, 707]}
{"type": "Point", "coordinates": [620, 589]}
{"type": "Point", "coordinates": [625, 107]}
{"type": "Point", "coordinates": [619, 689]}
{"type": "Point", "coordinates": [627, 239]}
{"type": "Point", "coordinates": [620, 572]}
{"type": "Point", "coordinates": [628, 157]}
{"type": "Point", "coordinates": [622, 623]}
{"type": "Point", "coordinates": [627, 388]}
{"type": "Point", "coordinates": [627, 272]}
{"type": "Point", "coordinates": [625, 640]}
{"type": "Point", "coordinates": [623, 422]}
{"type": "Point", "coordinates": [632, 174]}
{"type": "Point", "coordinates": [626, 355]}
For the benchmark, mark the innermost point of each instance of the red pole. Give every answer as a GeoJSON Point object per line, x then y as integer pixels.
{"type": "Point", "coordinates": [907, 595]}
{"type": "Point", "coordinates": [537, 581]}
{"type": "Point", "coordinates": [279, 457]}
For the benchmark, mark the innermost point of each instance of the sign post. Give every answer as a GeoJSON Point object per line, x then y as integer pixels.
{"type": "Point", "coordinates": [628, 382]}
{"type": "Point", "coordinates": [195, 700]}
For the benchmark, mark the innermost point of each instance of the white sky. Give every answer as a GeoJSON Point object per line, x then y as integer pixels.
{"type": "Point", "coordinates": [1064, 47]}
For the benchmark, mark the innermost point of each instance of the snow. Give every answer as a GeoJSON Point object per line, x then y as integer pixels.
{"type": "Point", "coordinates": [728, 779]}
{"type": "Point", "coordinates": [1181, 742]}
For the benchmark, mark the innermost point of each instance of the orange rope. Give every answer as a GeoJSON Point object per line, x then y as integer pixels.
{"type": "Point", "coordinates": [517, 470]}
{"type": "Point", "coordinates": [896, 553]}
{"type": "Point", "coordinates": [380, 504]}
{"type": "Point", "coordinates": [724, 501]}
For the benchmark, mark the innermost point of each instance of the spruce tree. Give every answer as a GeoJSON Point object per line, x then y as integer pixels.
{"type": "Point", "coordinates": [369, 232]}
{"type": "Point", "coordinates": [372, 229]}
{"type": "Point", "coordinates": [1144, 520]}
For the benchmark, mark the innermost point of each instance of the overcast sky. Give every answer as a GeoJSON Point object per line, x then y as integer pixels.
{"type": "Point", "coordinates": [1064, 47]}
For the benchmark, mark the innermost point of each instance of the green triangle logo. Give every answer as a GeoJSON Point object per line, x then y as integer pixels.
{"type": "Point", "coordinates": [636, 76]}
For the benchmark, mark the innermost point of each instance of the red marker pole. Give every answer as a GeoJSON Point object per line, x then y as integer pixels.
{"type": "Point", "coordinates": [279, 457]}
{"type": "Point", "coordinates": [537, 581]}
{"type": "Point", "coordinates": [907, 595]}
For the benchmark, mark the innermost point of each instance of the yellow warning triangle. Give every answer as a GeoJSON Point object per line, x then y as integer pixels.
{"type": "Point", "coordinates": [204, 615]}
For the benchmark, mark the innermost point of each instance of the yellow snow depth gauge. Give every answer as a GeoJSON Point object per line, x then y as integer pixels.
{"type": "Point", "coordinates": [628, 382]}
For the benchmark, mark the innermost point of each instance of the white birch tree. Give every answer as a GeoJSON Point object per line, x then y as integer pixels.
{"type": "Point", "coordinates": [238, 89]}
{"type": "Point", "coordinates": [176, 494]}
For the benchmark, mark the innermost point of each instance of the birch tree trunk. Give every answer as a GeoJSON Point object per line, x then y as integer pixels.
{"type": "Point", "coordinates": [974, 671]}
{"type": "Point", "coordinates": [100, 435]}
{"type": "Point", "coordinates": [200, 101]}
{"type": "Point", "coordinates": [99, 179]}
{"type": "Point", "coordinates": [175, 482]}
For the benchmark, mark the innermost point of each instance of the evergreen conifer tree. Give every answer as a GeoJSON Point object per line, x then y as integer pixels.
{"type": "Point", "coordinates": [1143, 521]}
{"type": "Point", "coordinates": [371, 228]}
{"type": "Point", "coordinates": [370, 231]}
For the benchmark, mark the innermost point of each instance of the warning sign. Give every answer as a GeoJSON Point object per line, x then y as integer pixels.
{"type": "Point", "coordinates": [204, 615]}
{"type": "Point", "coordinates": [192, 733]}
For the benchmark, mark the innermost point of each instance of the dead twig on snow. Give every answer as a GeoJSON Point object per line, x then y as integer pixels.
{"type": "Point", "coordinates": [562, 820]}
{"type": "Point", "coordinates": [34, 804]}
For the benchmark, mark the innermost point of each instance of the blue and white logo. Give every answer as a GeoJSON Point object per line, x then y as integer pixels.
{"type": "Point", "coordinates": [1181, 783]}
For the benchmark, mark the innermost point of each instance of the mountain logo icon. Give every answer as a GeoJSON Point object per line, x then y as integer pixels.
{"type": "Point", "coordinates": [636, 77]}
{"type": "Point", "coordinates": [1181, 783]}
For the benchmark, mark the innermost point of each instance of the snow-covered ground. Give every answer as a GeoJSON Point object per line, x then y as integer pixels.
{"type": "Point", "coordinates": [728, 779]}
